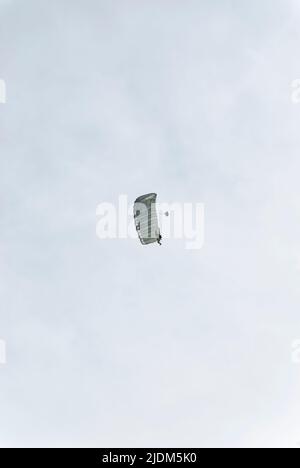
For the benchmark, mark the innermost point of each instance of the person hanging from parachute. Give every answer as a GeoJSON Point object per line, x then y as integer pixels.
{"type": "Point", "coordinates": [159, 239]}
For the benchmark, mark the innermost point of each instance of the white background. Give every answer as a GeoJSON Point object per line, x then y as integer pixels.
{"type": "Point", "coordinates": [110, 343]}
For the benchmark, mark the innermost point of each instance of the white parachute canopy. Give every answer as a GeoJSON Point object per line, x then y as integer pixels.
{"type": "Point", "coordinates": [145, 217]}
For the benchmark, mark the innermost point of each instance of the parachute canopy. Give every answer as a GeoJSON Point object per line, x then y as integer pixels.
{"type": "Point", "coordinates": [145, 217]}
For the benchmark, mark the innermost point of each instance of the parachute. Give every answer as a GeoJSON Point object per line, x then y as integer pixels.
{"type": "Point", "coordinates": [145, 217]}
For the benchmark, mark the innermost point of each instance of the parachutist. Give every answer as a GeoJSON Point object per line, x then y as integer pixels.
{"type": "Point", "coordinates": [145, 216]}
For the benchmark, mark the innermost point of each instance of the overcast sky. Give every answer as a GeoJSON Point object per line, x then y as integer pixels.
{"type": "Point", "coordinates": [110, 343]}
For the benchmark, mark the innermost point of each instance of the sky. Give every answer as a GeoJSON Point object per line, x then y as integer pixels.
{"type": "Point", "coordinates": [110, 343]}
